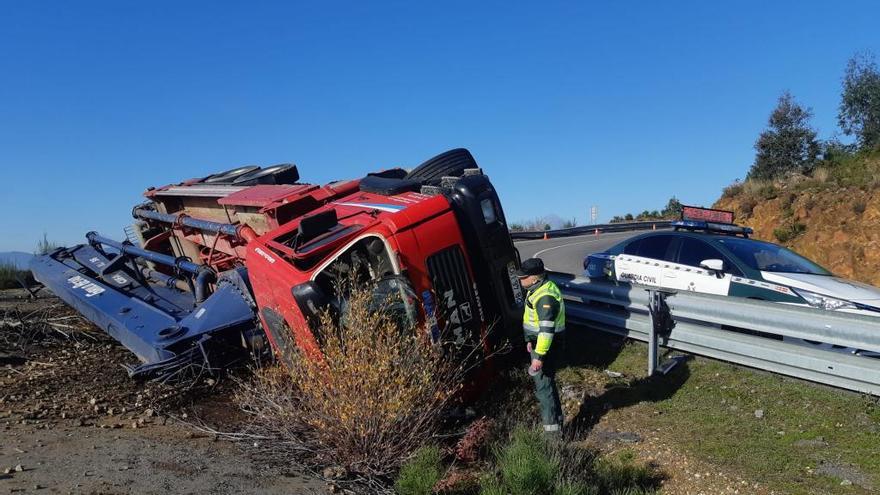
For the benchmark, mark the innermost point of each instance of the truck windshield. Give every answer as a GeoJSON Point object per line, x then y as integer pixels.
{"type": "Point", "coordinates": [767, 257]}
{"type": "Point", "coordinates": [367, 264]}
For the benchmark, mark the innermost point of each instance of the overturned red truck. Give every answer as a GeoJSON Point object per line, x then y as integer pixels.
{"type": "Point", "coordinates": [217, 267]}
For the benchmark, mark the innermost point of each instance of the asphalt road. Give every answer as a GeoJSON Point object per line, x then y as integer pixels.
{"type": "Point", "coordinates": [566, 254]}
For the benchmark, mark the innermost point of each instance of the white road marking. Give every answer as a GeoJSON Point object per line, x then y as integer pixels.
{"type": "Point", "coordinates": [588, 241]}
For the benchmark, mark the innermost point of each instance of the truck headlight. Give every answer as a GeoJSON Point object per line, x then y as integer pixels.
{"type": "Point", "coordinates": [488, 211]}
{"type": "Point", "coordinates": [824, 302]}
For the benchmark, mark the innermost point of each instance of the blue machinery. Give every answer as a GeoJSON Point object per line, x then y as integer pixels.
{"type": "Point", "coordinates": [170, 322]}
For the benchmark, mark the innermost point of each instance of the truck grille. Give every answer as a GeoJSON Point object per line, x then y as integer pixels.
{"type": "Point", "coordinates": [455, 298]}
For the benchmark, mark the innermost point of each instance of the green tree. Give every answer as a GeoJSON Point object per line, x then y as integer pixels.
{"type": "Point", "coordinates": [673, 208]}
{"type": "Point", "coordinates": [569, 224]}
{"type": "Point", "coordinates": [859, 112]}
{"type": "Point", "coordinates": [788, 145]}
{"type": "Point", "coordinates": [628, 217]}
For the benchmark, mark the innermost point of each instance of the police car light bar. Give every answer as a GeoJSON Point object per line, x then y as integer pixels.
{"type": "Point", "coordinates": [721, 228]}
{"type": "Point", "coordinates": [706, 215]}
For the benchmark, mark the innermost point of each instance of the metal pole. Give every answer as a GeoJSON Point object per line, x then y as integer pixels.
{"type": "Point", "coordinates": [163, 259]}
{"type": "Point", "coordinates": [195, 223]}
{"type": "Point", "coordinates": [653, 341]}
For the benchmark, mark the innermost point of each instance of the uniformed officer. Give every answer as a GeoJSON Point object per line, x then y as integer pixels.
{"type": "Point", "coordinates": [544, 327]}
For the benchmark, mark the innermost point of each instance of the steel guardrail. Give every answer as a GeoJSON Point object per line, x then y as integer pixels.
{"type": "Point", "coordinates": [590, 229]}
{"type": "Point", "coordinates": [717, 326]}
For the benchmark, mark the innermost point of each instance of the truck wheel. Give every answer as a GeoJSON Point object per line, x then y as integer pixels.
{"type": "Point", "coordinates": [229, 175]}
{"type": "Point", "coordinates": [449, 164]}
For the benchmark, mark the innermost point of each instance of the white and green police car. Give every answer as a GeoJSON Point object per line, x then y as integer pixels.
{"type": "Point", "coordinates": [707, 253]}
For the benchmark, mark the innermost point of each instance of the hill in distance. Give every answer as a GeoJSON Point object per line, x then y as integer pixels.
{"type": "Point", "coordinates": [18, 258]}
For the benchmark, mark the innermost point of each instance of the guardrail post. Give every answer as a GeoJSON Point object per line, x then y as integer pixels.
{"type": "Point", "coordinates": [653, 341]}
{"type": "Point", "coordinates": [661, 322]}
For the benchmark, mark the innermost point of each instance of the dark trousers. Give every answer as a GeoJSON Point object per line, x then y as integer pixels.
{"type": "Point", "coordinates": [545, 385]}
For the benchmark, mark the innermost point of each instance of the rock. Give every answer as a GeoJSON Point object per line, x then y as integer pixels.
{"type": "Point", "coordinates": [846, 483]}
{"type": "Point", "coordinates": [149, 413]}
{"type": "Point", "coordinates": [613, 374]}
{"type": "Point", "coordinates": [759, 413]}
{"type": "Point", "coordinates": [334, 472]}
{"type": "Point", "coordinates": [7, 470]}
{"type": "Point", "coordinates": [93, 401]}
{"type": "Point", "coordinates": [18, 468]}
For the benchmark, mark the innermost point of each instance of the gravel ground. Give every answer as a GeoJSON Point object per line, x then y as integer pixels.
{"type": "Point", "coordinates": [72, 421]}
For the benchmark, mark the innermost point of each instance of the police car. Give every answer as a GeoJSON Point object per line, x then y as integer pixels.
{"type": "Point", "coordinates": [706, 252]}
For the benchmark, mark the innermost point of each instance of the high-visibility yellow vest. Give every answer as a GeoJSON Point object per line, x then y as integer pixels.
{"type": "Point", "coordinates": [536, 328]}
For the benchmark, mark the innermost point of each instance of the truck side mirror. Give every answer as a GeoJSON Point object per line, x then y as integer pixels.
{"type": "Point", "coordinates": [713, 265]}
{"type": "Point", "coordinates": [311, 300]}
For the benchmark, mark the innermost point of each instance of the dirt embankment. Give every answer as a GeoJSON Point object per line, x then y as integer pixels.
{"type": "Point", "coordinates": [832, 217]}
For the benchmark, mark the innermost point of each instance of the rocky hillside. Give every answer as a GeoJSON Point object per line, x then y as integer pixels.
{"type": "Point", "coordinates": [831, 217]}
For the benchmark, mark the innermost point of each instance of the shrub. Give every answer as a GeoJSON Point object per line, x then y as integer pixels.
{"type": "Point", "coordinates": [760, 189]}
{"type": "Point", "coordinates": [526, 464]}
{"type": "Point", "coordinates": [470, 447]}
{"type": "Point", "coordinates": [621, 474]}
{"type": "Point", "coordinates": [789, 232]}
{"type": "Point", "coordinates": [820, 174]}
{"type": "Point", "coordinates": [859, 206]}
{"type": "Point", "coordinates": [375, 396]}
{"type": "Point", "coordinates": [11, 274]}
{"type": "Point", "coordinates": [734, 189]}
{"type": "Point", "coordinates": [419, 475]}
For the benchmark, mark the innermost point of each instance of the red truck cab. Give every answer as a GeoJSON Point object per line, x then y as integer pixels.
{"type": "Point", "coordinates": [435, 238]}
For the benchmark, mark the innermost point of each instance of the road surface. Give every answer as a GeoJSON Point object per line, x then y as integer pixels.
{"type": "Point", "coordinates": [566, 254]}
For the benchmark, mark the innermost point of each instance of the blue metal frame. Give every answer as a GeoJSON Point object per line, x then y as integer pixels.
{"type": "Point", "coordinates": [164, 326]}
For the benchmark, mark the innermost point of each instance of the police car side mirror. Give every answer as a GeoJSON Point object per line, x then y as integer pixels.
{"type": "Point", "coordinates": [712, 265]}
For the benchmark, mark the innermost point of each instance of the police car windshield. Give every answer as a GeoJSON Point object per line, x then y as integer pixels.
{"type": "Point", "coordinates": [767, 257]}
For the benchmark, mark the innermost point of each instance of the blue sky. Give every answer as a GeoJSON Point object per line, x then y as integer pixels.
{"type": "Point", "coordinates": [565, 105]}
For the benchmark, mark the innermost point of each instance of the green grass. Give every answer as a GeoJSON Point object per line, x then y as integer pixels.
{"type": "Point", "coordinates": [527, 465]}
{"type": "Point", "coordinates": [530, 464]}
{"type": "Point", "coordinates": [9, 275]}
{"type": "Point", "coordinates": [421, 473]}
{"type": "Point", "coordinates": [707, 408]}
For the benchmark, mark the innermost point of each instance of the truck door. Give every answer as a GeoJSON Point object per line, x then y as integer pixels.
{"type": "Point", "coordinates": [686, 274]}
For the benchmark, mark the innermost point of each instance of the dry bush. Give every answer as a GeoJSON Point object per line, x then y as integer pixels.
{"type": "Point", "coordinates": [475, 441]}
{"type": "Point", "coordinates": [20, 330]}
{"type": "Point", "coordinates": [821, 174]}
{"type": "Point", "coordinates": [377, 394]}
{"type": "Point", "coordinates": [761, 189]}
{"type": "Point", "coordinates": [732, 190]}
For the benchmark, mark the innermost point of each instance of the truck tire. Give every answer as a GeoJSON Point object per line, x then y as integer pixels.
{"type": "Point", "coordinates": [230, 175]}
{"type": "Point", "coordinates": [449, 164]}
